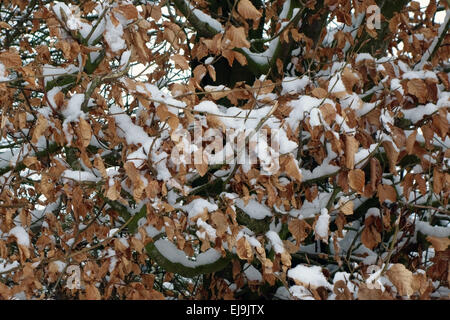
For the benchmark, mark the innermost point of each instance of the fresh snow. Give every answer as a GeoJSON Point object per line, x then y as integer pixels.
{"type": "Point", "coordinates": [197, 206]}
{"type": "Point", "coordinates": [434, 231]}
{"type": "Point", "coordinates": [113, 35]}
{"type": "Point", "coordinates": [293, 85]}
{"type": "Point", "coordinates": [322, 224]}
{"type": "Point", "coordinates": [254, 209]}
{"type": "Point", "coordinates": [175, 255]}
{"type": "Point", "coordinates": [275, 240]}
{"type": "Point", "coordinates": [252, 273]}
{"type": "Point", "coordinates": [363, 56]}
{"type": "Point", "coordinates": [21, 235]}
{"type": "Point", "coordinates": [73, 110]}
{"type": "Point", "coordinates": [309, 276]}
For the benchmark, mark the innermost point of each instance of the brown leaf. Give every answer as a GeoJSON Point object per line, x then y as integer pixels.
{"type": "Point", "coordinates": [235, 38]}
{"type": "Point", "coordinates": [341, 291]}
{"type": "Point", "coordinates": [199, 72]}
{"type": "Point", "coordinates": [4, 25]}
{"type": "Point", "coordinates": [438, 180]}
{"type": "Point", "coordinates": [10, 59]}
{"type": "Point", "coordinates": [243, 249]}
{"type": "Point", "coordinates": [319, 93]}
{"type": "Point", "coordinates": [247, 10]}
{"type": "Point", "coordinates": [86, 132]}
{"type": "Point", "coordinates": [349, 79]}
{"type": "Point", "coordinates": [351, 147]}
{"type": "Point", "coordinates": [371, 236]}
{"type": "Point", "coordinates": [201, 162]}
{"type": "Point", "coordinates": [392, 155]}
{"type": "Point", "coordinates": [420, 283]}
{"type": "Point", "coordinates": [211, 72]}
{"type": "Point", "coordinates": [299, 229]}
{"type": "Point", "coordinates": [346, 206]}
{"type": "Point", "coordinates": [173, 122]}
{"type": "Point", "coordinates": [100, 166]}
{"type": "Point", "coordinates": [418, 88]}
{"type": "Point", "coordinates": [135, 177]}
{"type": "Point", "coordinates": [215, 122]}
{"type": "Point", "coordinates": [364, 293]}
{"type": "Point", "coordinates": [410, 142]}
{"type": "Point", "coordinates": [328, 113]}
{"type": "Point", "coordinates": [386, 192]}
{"type": "Point", "coordinates": [129, 11]}
{"type": "Point", "coordinates": [240, 58]}
{"type": "Point", "coordinates": [439, 244]}
{"type": "Point", "coordinates": [180, 61]}
{"type": "Point", "coordinates": [113, 192]}
{"type": "Point", "coordinates": [402, 279]}
{"type": "Point", "coordinates": [30, 161]}
{"type": "Point", "coordinates": [407, 184]}
{"type": "Point", "coordinates": [292, 169]}
{"type": "Point", "coordinates": [356, 180]}
{"type": "Point", "coordinates": [220, 222]}
{"type": "Point", "coordinates": [156, 295]}
{"type": "Point", "coordinates": [290, 249]}
{"type": "Point", "coordinates": [375, 172]}
{"type": "Point", "coordinates": [92, 292]}
{"type": "Point", "coordinates": [40, 128]}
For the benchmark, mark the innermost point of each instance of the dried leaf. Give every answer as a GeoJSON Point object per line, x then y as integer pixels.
{"type": "Point", "coordinates": [364, 293]}
{"type": "Point", "coordinates": [439, 244]}
{"type": "Point", "coordinates": [438, 180]}
{"type": "Point", "coordinates": [386, 193]}
{"type": "Point", "coordinates": [351, 147]}
{"type": "Point", "coordinates": [356, 180]}
{"type": "Point", "coordinates": [341, 291]}
{"type": "Point", "coordinates": [402, 279]}
{"type": "Point", "coordinates": [247, 10]}
{"type": "Point", "coordinates": [199, 72]}
{"type": "Point", "coordinates": [410, 142]}
{"type": "Point", "coordinates": [180, 61]}
{"type": "Point", "coordinates": [10, 59]}
{"type": "Point", "coordinates": [86, 132]}
{"type": "Point", "coordinates": [349, 79]}
{"type": "Point", "coordinates": [418, 88]}
{"type": "Point", "coordinates": [293, 170]}
{"type": "Point", "coordinates": [92, 292]}
{"type": "Point", "coordinates": [40, 128]}
{"type": "Point", "coordinates": [392, 155]}
{"type": "Point", "coordinates": [299, 229]}
{"type": "Point", "coordinates": [346, 207]}
{"type": "Point", "coordinates": [319, 93]}
{"type": "Point", "coordinates": [244, 250]}
{"type": "Point", "coordinates": [371, 235]}
{"type": "Point", "coordinates": [129, 11]}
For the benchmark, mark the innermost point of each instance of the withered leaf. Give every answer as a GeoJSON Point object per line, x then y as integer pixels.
{"type": "Point", "coordinates": [371, 235]}
{"type": "Point", "coordinates": [247, 10]}
{"type": "Point", "coordinates": [439, 243]}
{"type": "Point", "coordinates": [386, 193]}
{"type": "Point", "coordinates": [402, 279]}
{"type": "Point", "coordinates": [299, 229]}
{"type": "Point", "coordinates": [351, 147]}
{"type": "Point", "coordinates": [180, 61]}
{"type": "Point", "coordinates": [40, 128]}
{"type": "Point", "coordinates": [86, 132]}
{"type": "Point", "coordinates": [244, 250]}
{"type": "Point", "coordinates": [292, 169]}
{"type": "Point", "coordinates": [356, 180]}
{"type": "Point", "coordinates": [418, 88]}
